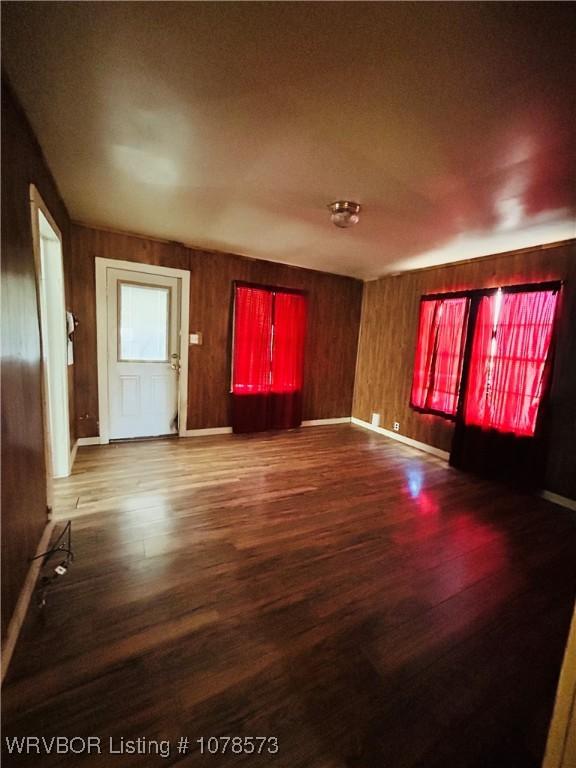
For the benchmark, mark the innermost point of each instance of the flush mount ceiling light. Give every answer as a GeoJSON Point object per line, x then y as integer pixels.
{"type": "Point", "coordinates": [344, 213]}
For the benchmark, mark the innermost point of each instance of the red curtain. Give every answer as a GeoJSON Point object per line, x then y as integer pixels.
{"type": "Point", "coordinates": [475, 403]}
{"type": "Point", "coordinates": [288, 342]}
{"type": "Point", "coordinates": [507, 367]}
{"type": "Point", "coordinates": [268, 358]}
{"type": "Point", "coordinates": [424, 349]}
{"type": "Point", "coordinates": [252, 341]}
{"type": "Point", "coordinates": [439, 354]}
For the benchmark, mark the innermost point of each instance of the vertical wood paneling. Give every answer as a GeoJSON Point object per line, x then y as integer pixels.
{"type": "Point", "coordinates": [334, 315]}
{"type": "Point", "coordinates": [388, 338]}
{"type": "Point", "coordinates": [23, 465]}
{"type": "Point", "coordinates": [331, 341]}
{"type": "Point", "coordinates": [86, 245]}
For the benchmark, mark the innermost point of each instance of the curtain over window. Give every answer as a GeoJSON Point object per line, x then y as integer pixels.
{"type": "Point", "coordinates": [252, 341]}
{"type": "Point", "coordinates": [508, 361]}
{"type": "Point", "coordinates": [288, 342]}
{"type": "Point", "coordinates": [268, 358]}
{"type": "Point", "coordinates": [439, 355]}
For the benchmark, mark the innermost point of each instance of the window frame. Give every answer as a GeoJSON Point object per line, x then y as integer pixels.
{"type": "Point", "coordinates": [471, 294]}
{"type": "Point", "coordinates": [119, 303]}
{"type": "Point", "coordinates": [443, 297]}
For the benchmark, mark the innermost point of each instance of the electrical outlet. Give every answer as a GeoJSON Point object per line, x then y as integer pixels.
{"type": "Point", "coordinates": [396, 426]}
{"type": "Point", "coordinates": [375, 419]}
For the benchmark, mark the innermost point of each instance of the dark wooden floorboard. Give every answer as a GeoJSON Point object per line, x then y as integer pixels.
{"type": "Point", "coordinates": [363, 602]}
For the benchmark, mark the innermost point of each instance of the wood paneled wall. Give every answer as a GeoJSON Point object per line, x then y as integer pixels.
{"type": "Point", "coordinates": [23, 465]}
{"type": "Point", "coordinates": [334, 316]}
{"type": "Point", "coordinates": [388, 339]}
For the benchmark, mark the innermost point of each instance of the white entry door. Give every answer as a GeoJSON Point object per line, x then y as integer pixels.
{"type": "Point", "coordinates": [143, 361]}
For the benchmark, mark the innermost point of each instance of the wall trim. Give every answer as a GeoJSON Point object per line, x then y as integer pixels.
{"type": "Point", "coordinates": [21, 608]}
{"type": "Point", "coordinates": [206, 432]}
{"type": "Point", "coordinates": [562, 501]}
{"type": "Point", "coordinates": [321, 422]}
{"type": "Point", "coordinates": [228, 430]}
{"type": "Point", "coordinates": [485, 257]}
{"type": "Point", "coordinates": [88, 441]}
{"type": "Point", "coordinates": [561, 744]}
{"type": "Point", "coordinates": [402, 439]}
{"type": "Point", "coordinates": [38, 205]}
{"type": "Point", "coordinates": [190, 246]}
{"type": "Point", "coordinates": [555, 498]}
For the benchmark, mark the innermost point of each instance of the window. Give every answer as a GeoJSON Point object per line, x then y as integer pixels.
{"type": "Point", "coordinates": [269, 328]}
{"type": "Point", "coordinates": [439, 355]}
{"type": "Point", "coordinates": [144, 318]}
{"type": "Point", "coordinates": [507, 366]}
{"type": "Point", "coordinates": [505, 359]}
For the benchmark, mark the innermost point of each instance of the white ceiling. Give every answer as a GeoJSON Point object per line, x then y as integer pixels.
{"type": "Point", "coordinates": [231, 126]}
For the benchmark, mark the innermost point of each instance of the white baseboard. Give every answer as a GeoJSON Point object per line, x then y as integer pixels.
{"type": "Point", "coordinates": [17, 620]}
{"type": "Point", "coordinates": [402, 439]}
{"type": "Point", "coordinates": [228, 430]}
{"type": "Point", "coordinates": [214, 431]}
{"type": "Point", "coordinates": [206, 432]}
{"type": "Point", "coordinates": [555, 498]}
{"type": "Point", "coordinates": [321, 422]}
{"type": "Point", "coordinates": [88, 441]}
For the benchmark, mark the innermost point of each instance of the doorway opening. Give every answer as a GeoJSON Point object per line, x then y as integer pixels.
{"type": "Point", "coordinates": [142, 344]}
{"type": "Point", "coordinates": [47, 240]}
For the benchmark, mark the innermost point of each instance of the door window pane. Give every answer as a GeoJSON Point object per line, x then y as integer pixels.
{"type": "Point", "coordinates": [143, 326]}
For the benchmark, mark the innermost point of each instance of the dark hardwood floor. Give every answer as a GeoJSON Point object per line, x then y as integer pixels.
{"type": "Point", "coordinates": [361, 601]}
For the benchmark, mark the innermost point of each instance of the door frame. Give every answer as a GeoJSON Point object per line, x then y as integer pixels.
{"type": "Point", "coordinates": [37, 207]}
{"type": "Point", "coordinates": [102, 266]}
